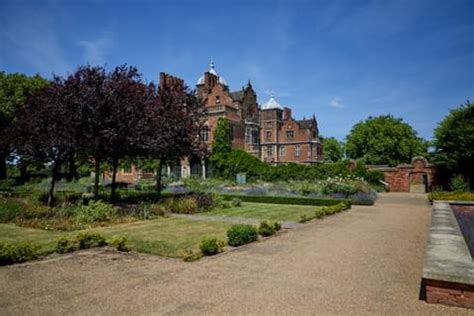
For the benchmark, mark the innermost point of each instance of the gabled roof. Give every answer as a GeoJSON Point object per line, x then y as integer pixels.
{"type": "Point", "coordinates": [305, 124]}
{"type": "Point", "coordinates": [237, 95]}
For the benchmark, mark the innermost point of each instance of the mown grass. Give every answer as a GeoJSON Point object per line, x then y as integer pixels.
{"type": "Point", "coordinates": [270, 212]}
{"type": "Point", "coordinates": [167, 237]}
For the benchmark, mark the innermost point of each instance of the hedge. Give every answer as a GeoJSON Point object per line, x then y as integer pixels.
{"type": "Point", "coordinates": [285, 200]}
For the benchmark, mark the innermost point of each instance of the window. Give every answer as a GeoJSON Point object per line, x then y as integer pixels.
{"type": "Point", "coordinates": [218, 99]}
{"type": "Point", "coordinates": [255, 137]}
{"type": "Point", "coordinates": [248, 136]}
{"type": "Point", "coordinates": [297, 150]}
{"type": "Point", "coordinates": [282, 151]}
{"type": "Point", "coordinates": [269, 124]}
{"type": "Point", "coordinates": [205, 133]}
{"type": "Point", "coordinates": [269, 135]}
{"type": "Point", "coordinates": [290, 134]}
{"type": "Point", "coordinates": [269, 150]}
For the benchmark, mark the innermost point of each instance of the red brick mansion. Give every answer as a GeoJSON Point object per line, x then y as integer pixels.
{"type": "Point", "coordinates": [268, 131]}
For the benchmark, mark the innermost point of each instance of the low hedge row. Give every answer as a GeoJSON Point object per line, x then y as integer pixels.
{"type": "Point", "coordinates": [451, 196]}
{"type": "Point", "coordinates": [285, 200]}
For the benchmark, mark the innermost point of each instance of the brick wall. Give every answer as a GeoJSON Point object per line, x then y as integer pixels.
{"type": "Point", "coordinates": [409, 177]}
{"type": "Point", "coordinates": [449, 293]}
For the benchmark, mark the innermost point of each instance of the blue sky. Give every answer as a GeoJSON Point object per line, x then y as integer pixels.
{"type": "Point", "coordinates": [341, 60]}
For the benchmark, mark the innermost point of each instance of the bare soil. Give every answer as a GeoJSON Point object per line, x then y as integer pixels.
{"type": "Point", "coordinates": [367, 260]}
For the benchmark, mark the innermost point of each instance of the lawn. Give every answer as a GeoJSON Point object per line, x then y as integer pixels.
{"type": "Point", "coordinates": [271, 212]}
{"type": "Point", "coordinates": [163, 236]}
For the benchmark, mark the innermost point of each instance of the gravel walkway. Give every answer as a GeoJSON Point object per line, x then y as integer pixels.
{"type": "Point", "coordinates": [366, 261]}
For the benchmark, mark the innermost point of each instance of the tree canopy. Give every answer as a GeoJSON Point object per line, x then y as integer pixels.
{"type": "Point", "coordinates": [454, 141]}
{"type": "Point", "coordinates": [14, 89]}
{"type": "Point", "coordinates": [221, 148]}
{"type": "Point", "coordinates": [332, 149]}
{"type": "Point", "coordinates": [107, 117]}
{"type": "Point", "coordinates": [384, 140]}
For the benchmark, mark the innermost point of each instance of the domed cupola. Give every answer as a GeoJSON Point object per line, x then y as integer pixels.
{"type": "Point", "coordinates": [213, 71]}
{"type": "Point", "coordinates": [271, 104]}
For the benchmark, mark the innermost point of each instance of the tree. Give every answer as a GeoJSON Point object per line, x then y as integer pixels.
{"type": "Point", "coordinates": [332, 149]}
{"type": "Point", "coordinates": [454, 142]}
{"type": "Point", "coordinates": [221, 147]}
{"type": "Point", "coordinates": [45, 128]}
{"type": "Point", "coordinates": [14, 88]}
{"type": "Point", "coordinates": [170, 126]}
{"type": "Point", "coordinates": [384, 140]}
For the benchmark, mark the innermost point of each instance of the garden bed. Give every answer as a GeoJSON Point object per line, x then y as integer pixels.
{"type": "Point", "coordinates": [464, 214]}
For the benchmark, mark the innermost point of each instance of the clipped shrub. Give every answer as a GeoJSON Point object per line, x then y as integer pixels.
{"type": "Point", "coordinates": [15, 253]}
{"type": "Point", "coordinates": [451, 196]}
{"type": "Point", "coordinates": [304, 218]}
{"type": "Point", "coordinates": [277, 226]}
{"type": "Point", "coordinates": [268, 229]}
{"type": "Point", "coordinates": [189, 255]}
{"type": "Point", "coordinates": [65, 245]}
{"type": "Point", "coordinates": [89, 240]}
{"type": "Point", "coordinates": [236, 202]}
{"type": "Point", "coordinates": [120, 243]}
{"type": "Point", "coordinates": [319, 214]}
{"type": "Point", "coordinates": [241, 234]}
{"type": "Point", "coordinates": [330, 210]}
{"type": "Point", "coordinates": [283, 199]}
{"type": "Point", "coordinates": [96, 211]}
{"type": "Point", "coordinates": [211, 246]}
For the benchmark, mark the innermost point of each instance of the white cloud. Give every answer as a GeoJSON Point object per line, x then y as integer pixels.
{"type": "Point", "coordinates": [94, 51]}
{"type": "Point", "coordinates": [33, 38]}
{"type": "Point", "coordinates": [336, 103]}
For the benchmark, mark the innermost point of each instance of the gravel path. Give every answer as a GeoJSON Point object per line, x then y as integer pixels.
{"type": "Point", "coordinates": [367, 260]}
{"type": "Point", "coordinates": [231, 219]}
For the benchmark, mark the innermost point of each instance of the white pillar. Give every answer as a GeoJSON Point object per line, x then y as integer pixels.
{"type": "Point", "coordinates": [203, 165]}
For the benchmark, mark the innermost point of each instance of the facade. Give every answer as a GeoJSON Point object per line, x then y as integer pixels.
{"type": "Point", "coordinates": [268, 132]}
{"type": "Point", "coordinates": [284, 139]}
{"type": "Point", "coordinates": [417, 177]}
{"type": "Point", "coordinates": [239, 107]}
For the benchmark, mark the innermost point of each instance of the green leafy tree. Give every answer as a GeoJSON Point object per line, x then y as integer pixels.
{"type": "Point", "coordinates": [454, 142]}
{"type": "Point", "coordinates": [221, 148]}
{"type": "Point", "coordinates": [14, 88]}
{"type": "Point", "coordinates": [332, 149]}
{"type": "Point", "coordinates": [384, 140]}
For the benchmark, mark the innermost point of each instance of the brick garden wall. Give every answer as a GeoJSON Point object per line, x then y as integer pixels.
{"type": "Point", "coordinates": [404, 177]}
{"type": "Point", "coordinates": [448, 293]}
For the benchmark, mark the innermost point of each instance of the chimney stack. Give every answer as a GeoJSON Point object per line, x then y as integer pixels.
{"type": "Point", "coordinates": [286, 113]}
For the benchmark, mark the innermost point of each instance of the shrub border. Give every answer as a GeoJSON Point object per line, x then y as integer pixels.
{"type": "Point", "coordinates": [285, 200]}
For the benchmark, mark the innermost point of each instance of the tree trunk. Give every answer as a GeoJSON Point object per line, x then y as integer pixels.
{"type": "Point", "coordinates": [3, 166]}
{"type": "Point", "coordinates": [114, 173]}
{"type": "Point", "coordinates": [54, 176]}
{"type": "Point", "coordinates": [72, 169]}
{"type": "Point", "coordinates": [23, 171]}
{"type": "Point", "coordinates": [96, 179]}
{"type": "Point", "coordinates": [158, 177]}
